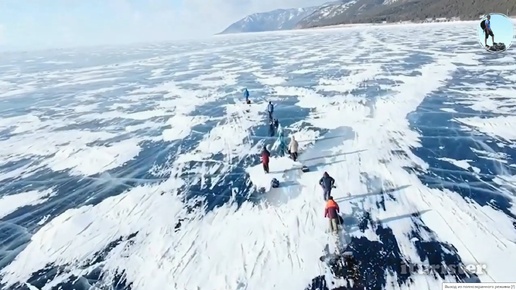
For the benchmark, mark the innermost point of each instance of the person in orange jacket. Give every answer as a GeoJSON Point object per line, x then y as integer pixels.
{"type": "Point", "coordinates": [332, 212]}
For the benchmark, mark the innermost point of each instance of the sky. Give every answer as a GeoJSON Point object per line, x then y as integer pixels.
{"type": "Point", "coordinates": [503, 30]}
{"type": "Point", "coordinates": [29, 24]}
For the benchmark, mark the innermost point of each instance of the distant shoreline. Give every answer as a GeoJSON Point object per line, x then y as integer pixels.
{"type": "Point", "coordinates": [350, 25]}
{"type": "Point", "coordinates": [404, 23]}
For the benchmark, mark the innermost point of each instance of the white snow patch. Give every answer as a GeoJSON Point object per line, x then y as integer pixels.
{"type": "Point", "coordinates": [449, 110]}
{"type": "Point", "coordinates": [89, 160]}
{"type": "Point", "coordinates": [268, 79]}
{"type": "Point", "coordinates": [181, 127]}
{"type": "Point", "coordinates": [498, 127]}
{"type": "Point", "coordinates": [464, 164]}
{"type": "Point", "coordinates": [10, 203]}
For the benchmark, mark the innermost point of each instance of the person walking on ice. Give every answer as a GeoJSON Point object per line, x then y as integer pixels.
{"type": "Point", "coordinates": [332, 213]}
{"type": "Point", "coordinates": [246, 95]}
{"type": "Point", "coordinates": [293, 147]}
{"type": "Point", "coordinates": [486, 27]}
{"type": "Point", "coordinates": [327, 183]}
{"type": "Point", "coordinates": [270, 110]}
{"type": "Point", "coordinates": [282, 146]}
{"type": "Point", "coordinates": [265, 156]}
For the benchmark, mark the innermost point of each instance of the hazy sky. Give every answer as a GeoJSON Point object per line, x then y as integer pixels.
{"type": "Point", "coordinates": [54, 23]}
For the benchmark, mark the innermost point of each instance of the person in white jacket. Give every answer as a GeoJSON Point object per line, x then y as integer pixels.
{"type": "Point", "coordinates": [292, 148]}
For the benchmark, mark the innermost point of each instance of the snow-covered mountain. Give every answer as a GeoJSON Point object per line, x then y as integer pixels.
{"type": "Point", "coordinates": [375, 11]}
{"type": "Point", "coordinates": [324, 12]}
{"type": "Point", "coordinates": [279, 19]}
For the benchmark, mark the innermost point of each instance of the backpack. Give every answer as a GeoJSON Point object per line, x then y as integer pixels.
{"type": "Point", "coordinates": [483, 24]}
{"type": "Point", "coordinates": [274, 183]}
{"type": "Point", "coordinates": [497, 47]}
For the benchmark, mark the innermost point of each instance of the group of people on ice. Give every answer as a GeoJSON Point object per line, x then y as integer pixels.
{"type": "Point", "coordinates": [292, 151]}
{"type": "Point", "coordinates": [274, 128]}
{"type": "Point", "coordinates": [326, 182]}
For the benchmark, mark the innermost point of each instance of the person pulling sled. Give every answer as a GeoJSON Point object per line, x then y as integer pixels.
{"type": "Point", "coordinates": [331, 211]}
{"type": "Point", "coordinates": [246, 96]}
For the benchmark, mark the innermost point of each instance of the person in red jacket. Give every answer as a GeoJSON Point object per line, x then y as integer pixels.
{"type": "Point", "coordinates": [265, 159]}
{"type": "Point", "coordinates": [332, 212]}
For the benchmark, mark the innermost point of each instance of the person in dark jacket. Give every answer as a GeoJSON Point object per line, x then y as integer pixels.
{"type": "Point", "coordinates": [265, 156]}
{"type": "Point", "coordinates": [332, 212]}
{"type": "Point", "coordinates": [272, 129]}
{"type": "Point", "coordinates": [270, 110]}
{"type": "Point", "coordinates": [327, 183]}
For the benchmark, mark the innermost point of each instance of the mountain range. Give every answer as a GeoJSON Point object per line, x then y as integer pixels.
{"type": "Point", "coordinates": [279, 19]}
{"type": "Point", "coordinates": [369, 11]}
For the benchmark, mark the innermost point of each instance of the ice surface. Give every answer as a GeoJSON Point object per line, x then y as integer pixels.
{"type": "Point", "coordinates": [144, 165]}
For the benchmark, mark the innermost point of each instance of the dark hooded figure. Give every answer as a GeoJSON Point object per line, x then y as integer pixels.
{"type": "Point", "coordinates": [270, 110]}
{"type": "Point", "coordinates": [272, 129]}
{"type": "Point", "coordinates": [327, 182]}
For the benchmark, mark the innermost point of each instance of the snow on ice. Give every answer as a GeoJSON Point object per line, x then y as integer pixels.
{"type": "Point", "coordinates": [173, 144]}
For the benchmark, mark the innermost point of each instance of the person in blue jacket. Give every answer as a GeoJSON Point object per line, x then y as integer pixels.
{"type": "Point", "coordinates": [486, 26]}
{"type": "Point", "coordinates": [282, 145]}
{"type": "Point", "coordinates": [327, 183]}
{"type": "Point", "coordinates": [246, 96]}
{"type": "Point", "coordinates": [270, 110]}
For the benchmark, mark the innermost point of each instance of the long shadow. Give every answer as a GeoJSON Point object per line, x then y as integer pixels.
{"type": "Point", "coordinates": [334, 155]}
{"type": "Point", "coordinates": [322, 139]}
{"type": "Point", "coordinates": [319, 164]}
{"type": "Point", "coordinates": [409, 215]}
{"type": "Point", "coordinates": [300, 141]}
{"type": "Point", "coordinates": [352, 223]}
{"type": "Point", "coordinates": [286, 170]}
{"type": "Point", "coordinates": [288, 183]}
{"type": "Point", "coordinates": [380, 192]}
